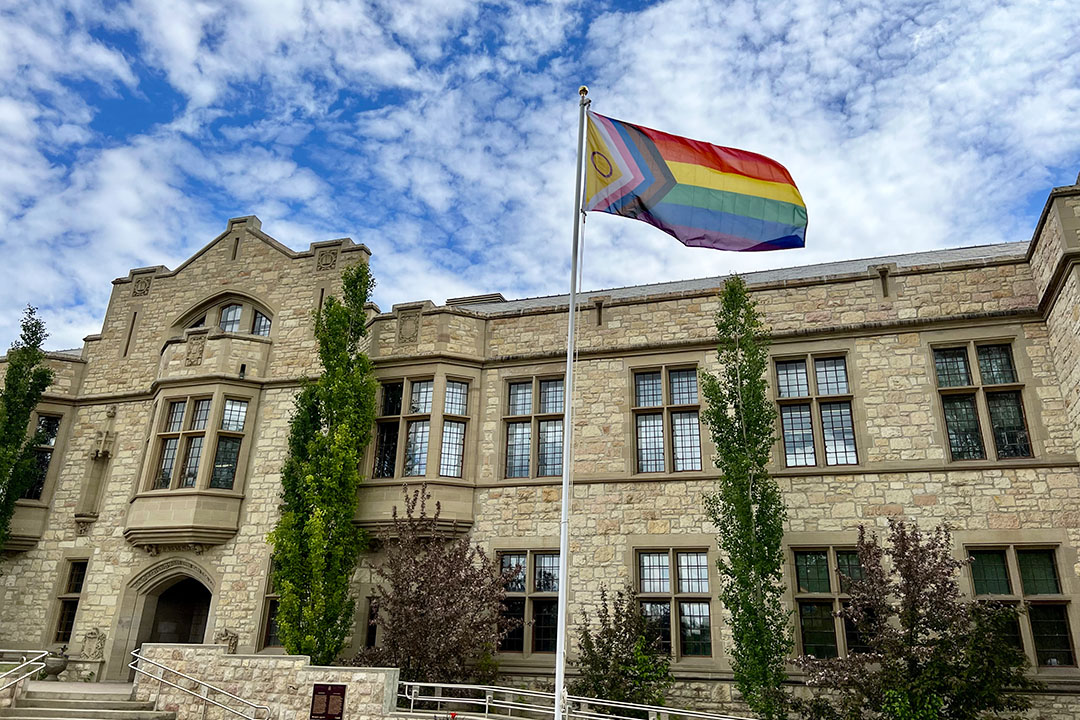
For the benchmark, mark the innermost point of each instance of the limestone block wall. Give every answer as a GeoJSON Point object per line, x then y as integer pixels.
{"type": "Point", "coordinates": [283, 683]}
{"type": "Point", "coordinates": [145, 306]}
{"type": "Point", "coordinates": [1063, 326]}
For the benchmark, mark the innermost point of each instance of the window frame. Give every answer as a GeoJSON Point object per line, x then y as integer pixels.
{"type": "Point", "coordinates": [530, 595]}
{"type": "Point", "coordinates": [674, 597]}
{"type": "Point", "coordinates": [207, 316]}
{"type": "Point", "coordinates": [54, 449]}
{"type": "Point", "coordinates": [63, 596]}
{"type": "Point", "coordinates": [456, 418]}
{"type": "Point", "coordinates": [979, 391]}
{"type": "Point", "coordinates": [836, 596]}
{"type": "Point", "coordinates": [815, 400]}
{"type": "Point", "coordinates": [270, 598]}
{"type": "Point", "coordinates": [211, 433]}
{"type": "Point", "coordinates": [1018, 595]}
{"type": "Point", "coordinates": [403, 420]}
{"type": "Point", "coordinates": [666, 410]}
{"type": "Point", "coordinates": [534, 419]}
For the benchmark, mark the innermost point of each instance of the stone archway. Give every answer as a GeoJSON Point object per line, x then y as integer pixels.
{"type": "Point", "coordinates": [171, 601]}
{"type": "Point", "coordinates": [180, 613]}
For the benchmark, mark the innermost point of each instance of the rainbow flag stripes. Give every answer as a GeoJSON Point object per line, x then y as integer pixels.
{"type": "Point", "coordinates": [704, 195]}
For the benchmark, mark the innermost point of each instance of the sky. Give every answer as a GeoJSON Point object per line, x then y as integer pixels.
{"type": "Point", "coordinates": [441, 133]}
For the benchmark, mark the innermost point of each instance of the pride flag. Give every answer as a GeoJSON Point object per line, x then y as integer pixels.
{"type": "Point", "coordinates": [704, 195]}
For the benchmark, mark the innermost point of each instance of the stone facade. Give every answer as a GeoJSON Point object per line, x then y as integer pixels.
{"type": "Point", "coordinates": [887, 319]}
{"type": "Point", "coordinates": [282, 683]}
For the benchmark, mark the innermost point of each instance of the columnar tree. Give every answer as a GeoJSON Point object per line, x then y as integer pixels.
{"type": "Point", "coordinates": [25, 379]}
{"type": "Point", "coordinates": [440, 599]}
{"type": "Point", "coordinates": [747, 508]}
{"type": "Point", "coordinates": [929, 653]}
{"type": "Point", "coordinates": [316, 544]}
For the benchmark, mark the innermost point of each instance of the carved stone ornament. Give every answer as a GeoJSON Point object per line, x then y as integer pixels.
{"type": "Point", "coordinates": [408, 327]}
{"type": "Point", "coordinates": [140, 287]}
{"type": "Point", "coordinates": [82, 526]}
{"type": "Point", "coordinates": [327, 260]}
{"type": "Point", "coordinates": [154, 550]}
{"type": "Point", "coordinates": [93, 645]}
{"type": "Point", "coordinates": [227, 637]}
{"type": "Point", "coordinates": [195, 346]}
{"type": "Point", "coordinates": [171, 567]}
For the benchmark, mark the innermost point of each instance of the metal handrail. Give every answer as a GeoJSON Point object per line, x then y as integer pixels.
{"type": "Point", "coordinates": [32, 666]}
{"type": "Point", "coordinates": [206, 688]}
{"type": "Point", "coordinates": [503, 698]}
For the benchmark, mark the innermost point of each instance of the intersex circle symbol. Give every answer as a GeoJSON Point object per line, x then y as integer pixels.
{"type": "Point", "coordinates": [601, 164]}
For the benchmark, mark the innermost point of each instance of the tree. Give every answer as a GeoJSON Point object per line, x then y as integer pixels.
{"type": "Point", "coordinates": [618, 661]}
{"type": "Point", "coordinates": [316, 544]}
{"type": "Point", "coordinates": [440, 599]}
{"type": "Point", "coordinates": [931, 654]}
{"type": "Point", "coordinates": [747, 508]}
{"type": "Point", "coordinates": [25, 379]}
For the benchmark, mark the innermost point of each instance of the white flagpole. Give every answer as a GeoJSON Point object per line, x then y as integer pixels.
{"type": "Point", "coordinates": [568, 429]}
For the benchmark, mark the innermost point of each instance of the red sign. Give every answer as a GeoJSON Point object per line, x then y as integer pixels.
{"type": "Point", "coordinates": [328, 702]}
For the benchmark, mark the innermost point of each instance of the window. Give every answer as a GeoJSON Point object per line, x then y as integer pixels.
{"type": "Point", "coordinates": [260, 325]}
{"type": "Point", "coordinates": [455, 408]}
{"type": "Point", "coordinates": [531, 599]}
{"type": "Point", "coordinates": [184, 435]}
{"type": "Point", "coordinates": [821, 581]}
{"type": "Point", "coordinates": [271, 638]}
{"type": "Point", "coordinates": [233, 315]}
{"type": "Point", "coordinates": [534, 428]}
{"type": "Point", "coordinates": [666, 416]}
{"type": "Point", "coordinates": [676, 605]}
{"type": "Point", "coordinates": [68, 599]}
{"type": "Point", "coordinates": [826, 397]}
{"type": "Point", "coordinates": [48, 427]}
{"type": "Point", "coordinates": [1030, 575]}
{"type": "Point", "coordinates": [230, 317]}
{"type": "Point", "coordinates": [408, 416]}
{"type": "Point", "coordinates": [996, 391]}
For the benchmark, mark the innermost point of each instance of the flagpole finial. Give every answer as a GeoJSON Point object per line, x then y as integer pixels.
{"type": "Point", "coordinates": [583, 90]}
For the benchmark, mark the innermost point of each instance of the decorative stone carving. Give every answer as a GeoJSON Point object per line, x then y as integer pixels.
{"type": "Point", "coordinates": [195, 346]}
{"type": "Point", "coordinates": [140, 287]}
{"type": "Point", "coordinates": [227, 637]}
{"type": "Point", "coordinates": [103, 445]}
{"type": "Point", "coordinates": [155, 550]}
{"type": "Point", "coordinates": [82, 526]}
{"type": "Point", "coordinates": [327, 260]}
{"type": "Point", "coordinates": [173, 566]}
{"type": "Point", "coordinates": [408, 327]}
{"type": "Point", "coordinates": [93, 645]}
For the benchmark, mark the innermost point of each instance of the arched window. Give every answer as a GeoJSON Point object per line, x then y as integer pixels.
{"type": "Point", "coordinates": [230, 317]}
{"type": "Point", "coordinates": [260, 325]}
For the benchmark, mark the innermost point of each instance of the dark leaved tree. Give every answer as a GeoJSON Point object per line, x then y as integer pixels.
{"type": "Point", "coordinates": [316, 544]}
{"type": "Point", "coordinates": [931, 653]}
{"type": "Point", "coordinates": [619, 659]}
{"type": "Point", "coordinates": [440, 599]}
{"type": "Point", "coordinates": [747, 508]}
{"type": "Point", "coordinates": [25, 379]}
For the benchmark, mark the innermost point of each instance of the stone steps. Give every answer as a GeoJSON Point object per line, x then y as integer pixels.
{"type": "Point", "coordinates": [74, 702]}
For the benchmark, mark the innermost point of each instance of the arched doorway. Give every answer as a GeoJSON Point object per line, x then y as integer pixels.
{"type": "Point", "coordinates": [171, 601]}
{"type": "Point", "coordinates": [180, 613]}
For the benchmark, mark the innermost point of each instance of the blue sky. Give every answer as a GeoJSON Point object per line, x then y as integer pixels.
{"type": "Point", "coordinates": [441, 132]}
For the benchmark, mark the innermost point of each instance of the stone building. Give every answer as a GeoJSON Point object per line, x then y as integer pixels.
{"type": "Point", "coordinates": [942, 386]}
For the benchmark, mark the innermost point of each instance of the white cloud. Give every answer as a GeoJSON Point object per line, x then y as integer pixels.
{"type": "Point", "coordinates": [441, 132]}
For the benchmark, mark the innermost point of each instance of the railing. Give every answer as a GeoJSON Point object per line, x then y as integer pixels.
{"type": "Point", "coordinates": [31, 662]}
{"type": "Point", "coordinates": [500, 702]}
{"type": "Point", "coordinates": [203, 694]}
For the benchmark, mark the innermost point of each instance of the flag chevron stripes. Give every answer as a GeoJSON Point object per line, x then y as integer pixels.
{"type": "Point", "coordinates": [704, 195]}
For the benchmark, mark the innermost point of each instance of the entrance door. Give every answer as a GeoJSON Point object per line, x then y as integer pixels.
{"type": "Point", "coordinates": [180, 616]}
